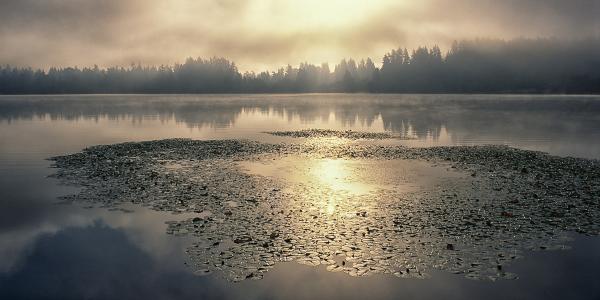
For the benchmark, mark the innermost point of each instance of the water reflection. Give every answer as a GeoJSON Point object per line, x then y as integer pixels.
{"type": "Point", "coordinates": [331, 180]}
{"type": "Point", "coordinates": [102, 261]}
{"type": "Point", "coordinates": [63, 251]}
{"type": "Point", "coordinates": [564, 125]}
{"type": "Point", "coordinates": [335, 174]}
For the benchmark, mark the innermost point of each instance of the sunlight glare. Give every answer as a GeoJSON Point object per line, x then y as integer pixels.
{"type": "Point", "coordinates": [338, 175]}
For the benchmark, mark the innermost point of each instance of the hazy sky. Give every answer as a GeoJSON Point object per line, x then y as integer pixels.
{"type": "Point", "coordinates": [259, 34]}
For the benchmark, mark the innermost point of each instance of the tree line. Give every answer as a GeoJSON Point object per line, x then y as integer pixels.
{"type": "Point", "coordinates": [473, 66]}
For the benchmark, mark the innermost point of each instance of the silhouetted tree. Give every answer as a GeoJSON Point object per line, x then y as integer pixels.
{"type": "Point", "coordinates": [522, 65]}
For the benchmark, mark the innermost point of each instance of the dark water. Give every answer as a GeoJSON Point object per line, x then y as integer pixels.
{"type": "Point", "coordinates": [67, 252]}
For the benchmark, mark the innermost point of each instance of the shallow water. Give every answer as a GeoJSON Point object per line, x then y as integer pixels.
{"type": "Point", "coordinates": [67, 251]}
{"type": "Point", "coordinates": [351, 177]}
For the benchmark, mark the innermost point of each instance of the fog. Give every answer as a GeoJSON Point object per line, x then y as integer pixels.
{"type": "Point", "coordinates": [265, 34]}
{"type": "Point", "coordinates": [470, 66]}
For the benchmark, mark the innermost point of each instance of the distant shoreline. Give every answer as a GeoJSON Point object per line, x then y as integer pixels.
{"type": "Point", "coordinates": [309, 93]}
{"type": "Point", "coordinates": [525, 66]}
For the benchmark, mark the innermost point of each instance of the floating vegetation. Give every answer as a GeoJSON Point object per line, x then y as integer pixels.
{"type": "Point", "coordinates": [346, 134]}
{"type": "Point", "coordinates": [359, 209]}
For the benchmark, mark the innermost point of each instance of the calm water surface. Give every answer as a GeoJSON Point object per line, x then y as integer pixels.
{"type": "Point", "coordinates": [65, 251]}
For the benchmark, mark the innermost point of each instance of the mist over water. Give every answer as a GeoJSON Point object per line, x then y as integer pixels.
{"type": "Point", "coordinates": [561, 125]}
{"type": "Point", "coordinates": [41, 238]}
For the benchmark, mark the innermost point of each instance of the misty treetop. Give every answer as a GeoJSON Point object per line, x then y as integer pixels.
{"type": "Point", "coordinates": [486, 66]}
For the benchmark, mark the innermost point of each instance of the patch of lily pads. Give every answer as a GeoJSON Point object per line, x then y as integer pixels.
{"type": "Point", "coordinates": [345, 134]}
{"type": "Point", "coordinates": [499, 202]}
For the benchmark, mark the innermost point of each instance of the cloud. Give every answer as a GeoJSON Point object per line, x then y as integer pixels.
{"type": "Point", "coordinates": [530, 18]}
{"type": "Point", "coordinates": [266, 33]}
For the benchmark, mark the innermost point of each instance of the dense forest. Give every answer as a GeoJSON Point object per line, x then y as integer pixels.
{"type": "Point", "coordinates": [475, 66]}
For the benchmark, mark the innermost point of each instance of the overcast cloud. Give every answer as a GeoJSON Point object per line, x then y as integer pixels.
{"type": "Point", "coordinates": [260, 34]}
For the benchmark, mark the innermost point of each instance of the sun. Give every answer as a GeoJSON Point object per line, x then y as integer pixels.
{"type": "Point", "coordinates": [311, 14]}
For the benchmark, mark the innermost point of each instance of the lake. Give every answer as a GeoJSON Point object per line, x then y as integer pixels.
{"type": "Point", "coordinates": [50, 250]}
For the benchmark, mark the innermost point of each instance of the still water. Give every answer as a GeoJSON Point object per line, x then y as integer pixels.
{"type": "Point", "coordinates": [57, 251]}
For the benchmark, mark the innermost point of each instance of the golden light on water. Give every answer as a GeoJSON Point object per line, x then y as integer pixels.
{"type": "Point", "coordinates": [340, 187]}
{"type": "Point", "coordinates": [337, 175]}
{"type": "Point", "coordinates": [327, 182]}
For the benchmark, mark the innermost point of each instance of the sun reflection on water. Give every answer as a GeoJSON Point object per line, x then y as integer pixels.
{"type": "Point", "coordinates": [327, 182]}
{"type": "Point", "coordinates": [340, 186]}
{"type": "Point", "coordinates": [335, 175]}
{"type": "Point", "coordinates": [338, 175]}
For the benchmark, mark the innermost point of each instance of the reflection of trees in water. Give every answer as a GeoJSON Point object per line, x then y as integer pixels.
{"type": "Point", "coordinates": [134, 108]}
{"type": "Point", "coordinates": [409, 115]}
